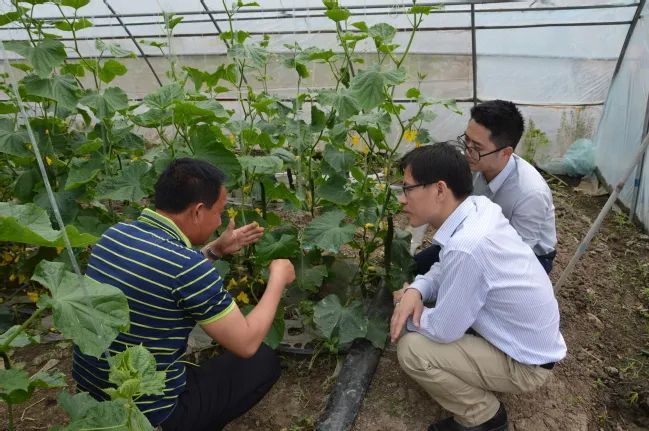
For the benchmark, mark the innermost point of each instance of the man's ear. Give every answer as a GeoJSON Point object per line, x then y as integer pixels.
{"type": "Point", "coordinates": [507, 151]}
{"type": "Point", "coordinates": [196, 211]}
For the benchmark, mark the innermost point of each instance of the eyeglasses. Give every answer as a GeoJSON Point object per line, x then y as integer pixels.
{"type": "Point", "coordinates": [471, 151]}
{"type": "Point", "coordinates": [404, 188]}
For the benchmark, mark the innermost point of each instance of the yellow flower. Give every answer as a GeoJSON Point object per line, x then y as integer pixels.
{"type": "Point", "coordinates": [356, 139]}
{"type": "Point", "coordinates": [33, 296]}
{"type": "Point", "coordinates": [7, 257]}
{"type": "Point", "coordinates": [232, 284]}
{"type": "Point", "coordinates": [12, 277]}
{"type": "Point", "coordinates": [59, 250]}
{"type": "Point", "coordinates": [242, 297]}
{"type": "Point", "coordinates": [243, 280]}
{"type": "Point", "coordinates": [410, 135]}
{"type": "Point", "coordinates": [232, 213]}
{"type": "Point", "coordinates": [135, 158]}
{"type": "Point", "coordinates": [259, 211]}
{"type": "Point", "coordinates": [365, 149]}
{"type": "Point", "coordinates": [246, 188]}
{"type": "Point", "coordinates": [231, 137]}
{"type": "Point", "coordinates": [368, 225]}
{"type": "Point", "coordinates": [48, 160]}
{"type": "Point", "coordinates": [381, 186]}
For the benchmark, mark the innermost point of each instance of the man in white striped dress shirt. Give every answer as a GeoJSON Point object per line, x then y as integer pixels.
{"type": "Point", "coordinates": [495, 322]}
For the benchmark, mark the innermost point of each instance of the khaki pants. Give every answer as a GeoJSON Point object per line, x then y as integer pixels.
{"type": "Point", "coordinates": [461, 375]}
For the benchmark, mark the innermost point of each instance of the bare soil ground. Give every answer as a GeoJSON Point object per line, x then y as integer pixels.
{"type": "Point", "coordinates": [603, 384]}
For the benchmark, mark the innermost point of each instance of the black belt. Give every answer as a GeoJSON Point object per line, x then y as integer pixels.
{"type": "Point", "coordinates": [548, 256]}
{"type": "Point", "coordinates": [548, 366]}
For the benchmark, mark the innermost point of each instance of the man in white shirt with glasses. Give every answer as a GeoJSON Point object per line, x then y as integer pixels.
{"type": "Point", "coordinates": [515, 185]}
{"type": "Point", "coordinates": [494, 325]}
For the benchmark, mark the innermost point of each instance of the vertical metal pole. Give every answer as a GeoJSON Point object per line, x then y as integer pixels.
{"type": "Point", "coordinates": [474, 57]}
{"type": "Point", "coordinates": [628, 37]}
{"type": "Point", "coordinates": [137, 45]}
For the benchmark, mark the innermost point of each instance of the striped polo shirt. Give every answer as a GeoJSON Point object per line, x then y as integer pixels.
{"type": "Point", "coordinates": [169, 287]}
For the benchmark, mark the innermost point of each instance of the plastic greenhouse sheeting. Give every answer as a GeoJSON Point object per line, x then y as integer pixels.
{"type": "Point", "coordinates": [624, 121]}
{"type": "Point", "coordinates": [559, 67]}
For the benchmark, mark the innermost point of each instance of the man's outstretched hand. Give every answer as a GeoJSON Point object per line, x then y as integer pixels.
{"type": "Point", "coordinates": [233, 240]}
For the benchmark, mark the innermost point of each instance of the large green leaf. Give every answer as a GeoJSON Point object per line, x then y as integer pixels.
{"type": "Point", "coordinates": [128, 185]}
{"type": "Point", "coordinates": [368, 86]}
{"type": "Point", "coordinates": [106, 102]}
{"type": "Point", "coordinates": [76, 25]}
{"type": "Point", "coordinates": [333, 189]}
{"type": "Point", "coordinates": [106, 415]}
{"type": "Point", "coordinates": [66, 200]}
{"type": "Point", "coordinates": [164, 96]}
{"type": "Point", "coordinates": [14, 385]}
{"type": "Point", "coordinates": [276, 333]}
{"type": "Point", "coordinates": [382, 32]}
{"type": "Point", "coordinates": [44, 57]}
{"type": "Point", "coordinates": [191, 113]}
{"type": "Point", "coordinates": [253, 55]}
{"type": "Point", "coordinates": [113, 48]}
{"type": "Point", "coordinates": [261, 165]}
{"type": "Point", "coordinates": [81, 172]}
{"type": "Point", "coordinates": [269, 247]}
{"type": "Point", "coordinates": [339, 158]}
{"type": "Point", "coordinates": [76, 405]}
{"type": "Point", "coordinates": [377, 332]}
{"type": "Point", "coordinates": [111, 69]}
{"type": "Point", "coordinates": [29, 224]}
{"type": "Point", "coordinates": [12, 141]}
{"type": "Point", "coordinates": [276, 190]}
{"type": "Point", "coordinates": [333, 319]}
{"type": "Point", "coordinates": [326, 233]}
{"type": "Point", "coordinates": [76, 4]}
{"type": "Point", "coordinates": [92, 314]}
{"type": "Point", "coordinates": [309, 277]}
{"type": "Point", "coordinates": [347, 103]}
{"type": "Point", "coordinates": [134, 373]}
{"type": "Point", "coordinates": [338, 14]}
{"type": "Point", "coordinates": [23, 339]}
{"type": "Point", "coordinates": [61, 89]}
{"type": "Point", "coordinates": [208, 145]}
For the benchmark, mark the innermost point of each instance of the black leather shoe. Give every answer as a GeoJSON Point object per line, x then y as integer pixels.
{"type": "Point", "coordinates": [496, 423]}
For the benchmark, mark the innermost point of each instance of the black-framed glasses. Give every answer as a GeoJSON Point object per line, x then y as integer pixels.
{"type": "Point", "coordinates": [404, 188]}
{"type": "Point", "coordinates": [471, 151]}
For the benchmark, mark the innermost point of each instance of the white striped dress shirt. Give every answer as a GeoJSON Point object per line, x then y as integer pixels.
{"type": "Point", "coordinates": [526, 201]}
{"type": "Point", "coordinates": [489, 280]}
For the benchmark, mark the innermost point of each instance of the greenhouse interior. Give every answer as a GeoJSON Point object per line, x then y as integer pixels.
{"type": "Point", "coordinates": [302, 112]}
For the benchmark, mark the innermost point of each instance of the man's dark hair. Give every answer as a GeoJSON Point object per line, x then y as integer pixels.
{"type": "Point", "coordinates": [440, 162]}
{"type": "Point", "coordinates": [503, 119]}
{"type": "Point", "coordinates": [187, 181]}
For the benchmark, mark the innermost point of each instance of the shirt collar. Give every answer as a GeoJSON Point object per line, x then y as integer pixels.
{"type": "Point", "coordinates": [165, 223]}
{"type": "Point", "coordinates": [453, 222]}
{"type": "Point", "coordinates": [497, 182]}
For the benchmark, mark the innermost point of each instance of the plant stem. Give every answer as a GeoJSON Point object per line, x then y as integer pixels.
{"type": "Point", "coordinates": [25, 324]}
{"type": "Point", "coordinates": [10, 417]}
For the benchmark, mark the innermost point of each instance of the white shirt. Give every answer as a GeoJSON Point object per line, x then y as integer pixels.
{"type": "Point", "coordinates": [526, 201]}
{"type": "Point", "coordinates": [489, 280]}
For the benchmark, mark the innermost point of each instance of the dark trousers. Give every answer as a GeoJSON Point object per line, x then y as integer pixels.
{"type": "Point", "coordinates": [427, 257]}
{"type": "Point", "coordinates": [222, 389]}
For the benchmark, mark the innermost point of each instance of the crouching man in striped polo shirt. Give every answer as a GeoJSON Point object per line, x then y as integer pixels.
{"type": "Point", "coordinates": [170, 286]}
{"type": "Point", "coordinates": [495, 322]}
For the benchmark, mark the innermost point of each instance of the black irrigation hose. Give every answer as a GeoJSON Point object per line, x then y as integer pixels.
{"type": "Point", "coordinates": [355, 375]}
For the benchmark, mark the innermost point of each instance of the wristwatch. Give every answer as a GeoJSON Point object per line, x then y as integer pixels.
{"type": "Point", "coordinates": [211, 254]}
